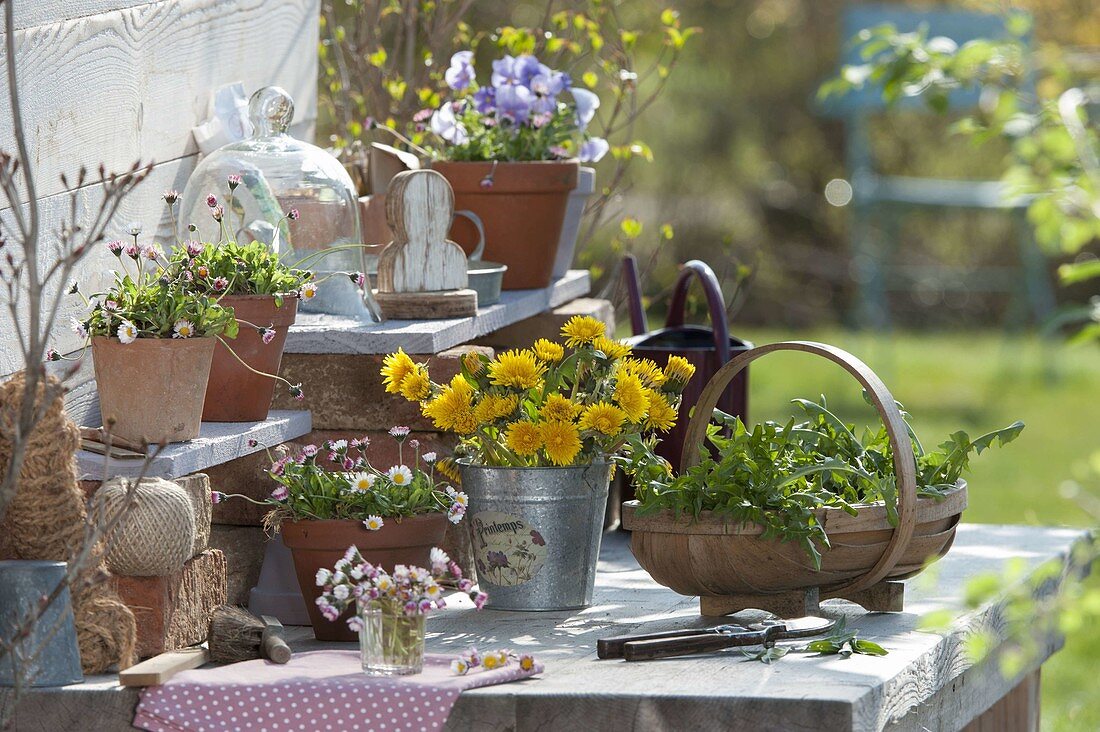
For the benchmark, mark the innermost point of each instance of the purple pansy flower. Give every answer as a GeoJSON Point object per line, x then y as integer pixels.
{"type": "Point", "coordinates": [593, 149]}
{"type": "Point", "coordinates": [446, 125]}
{"type": "Point", "coordinates": [514, 103]}
{"type": "Point", "coordinates": [461, 72]}
{"type": "Point", "coordinates": [587, 103]}
{"type": "Point", "coordinates": [485, 100]}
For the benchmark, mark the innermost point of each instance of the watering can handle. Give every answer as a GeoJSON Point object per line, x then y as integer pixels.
{"type": "Point", "coordinates": [715, 303]}
{"type": "Point", "coordinates": [475, 255]}
{"type": "Point", "coordinates": [638, 322]}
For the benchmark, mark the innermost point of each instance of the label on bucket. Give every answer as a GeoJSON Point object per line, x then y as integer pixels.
{"type": "Point", "coordinates": [507, 550]}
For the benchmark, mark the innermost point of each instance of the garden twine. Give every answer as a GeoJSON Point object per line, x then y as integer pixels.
{"type": "Point", "coordinates": [46, 520]}
{"type": "Point", "coordinates": [159, 533]}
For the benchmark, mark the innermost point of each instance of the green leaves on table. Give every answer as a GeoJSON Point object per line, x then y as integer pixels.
{"type": "Point", "coordinates": [841, 641]}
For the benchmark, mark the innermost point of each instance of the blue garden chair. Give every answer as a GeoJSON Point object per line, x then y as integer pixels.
{"type": "Point", "coordinates": [880, 201]}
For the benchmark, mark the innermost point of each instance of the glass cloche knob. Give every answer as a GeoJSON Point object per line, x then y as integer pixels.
{"type": "Point", "coordinates": [270, 110]}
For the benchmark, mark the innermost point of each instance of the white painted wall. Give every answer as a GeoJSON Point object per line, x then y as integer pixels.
{"type": "Point", "coordinates": [114, 81]}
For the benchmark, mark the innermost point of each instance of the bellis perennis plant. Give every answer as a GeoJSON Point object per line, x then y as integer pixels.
{"type": "Point", "coordinates": [528, 111]}
{"type": "Point", "coordinates": [552, 404]}
{"type": "Point", "coordinates": [353, 488]}
{"type": "Point", "coordinates": [406, 591]}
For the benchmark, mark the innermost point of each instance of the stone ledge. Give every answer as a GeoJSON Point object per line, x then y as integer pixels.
{"type": "Point", "coordinates": [217, 443]}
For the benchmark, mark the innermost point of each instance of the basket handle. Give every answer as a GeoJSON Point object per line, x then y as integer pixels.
{"type": "Point", "coordinates": [715, 303]}
{"type": "Point", "coordinates": [904, 460]}
{"type": "Point", "coordinates": [638, 322]}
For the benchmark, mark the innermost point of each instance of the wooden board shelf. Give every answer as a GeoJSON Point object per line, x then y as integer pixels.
{"type": "Point", "coordinates": [314, 333]}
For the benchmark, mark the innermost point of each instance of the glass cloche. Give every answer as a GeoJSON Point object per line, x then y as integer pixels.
{"type": "Point", "coordinates": [279, 174]}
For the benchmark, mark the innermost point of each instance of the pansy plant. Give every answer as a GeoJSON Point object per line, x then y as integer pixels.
{"type": "Point", "coordinates": [526, 112]}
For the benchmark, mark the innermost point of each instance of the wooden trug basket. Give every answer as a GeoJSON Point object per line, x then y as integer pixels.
{"type": "Point", "coordinates": [731, 567]}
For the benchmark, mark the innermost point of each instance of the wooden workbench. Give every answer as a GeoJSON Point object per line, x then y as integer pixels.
{"type": "Point", "coordinates": [925, 683]}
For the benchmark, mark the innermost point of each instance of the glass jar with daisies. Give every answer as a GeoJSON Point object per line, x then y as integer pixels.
{"type": "Point", "coordinates": [389, 606]}
{"type": "Point", "coordinates": [331, 496]}
{"type": "Point", "coordinates": [539, 431]}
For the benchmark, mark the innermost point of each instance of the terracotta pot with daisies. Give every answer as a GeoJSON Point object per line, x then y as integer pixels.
{"type": "Point", "coordinates": [152, 342]}
{"type": "Point", "coordinates": [539, 431]}
{"type": "Point", "coordinates": [264, 293]}
{"type": "Point", "coordinates": [393, 515]}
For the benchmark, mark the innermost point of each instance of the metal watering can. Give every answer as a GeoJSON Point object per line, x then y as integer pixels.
{"type": "Point", "coordinates": [708, 349]}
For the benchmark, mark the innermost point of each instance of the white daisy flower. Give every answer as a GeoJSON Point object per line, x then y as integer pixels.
{"type": "Point", "coordinates": [323, 577]}
{"type": "Point", "coordinates": [384, 583]}
{"type": "Point", "coordinates": [183, 329]}
{"type": "Point", "coordinates": [459, 667]}
{"type": "Point", "coordinates": [374, 523]}
{"type": "Point", "coordinates": [341, 592]}
{"type": "Point", "coordinates": [340, 445]}
{"type": "Point", "coordinates": [439, 558]}
{"type": "Point", "coordinates": [461, 498]}
{"type": "Point", "coordinates": [361, 482]}
{"type": "Point", "coordinates": [428, 457]}
{"type": "Point", "coordinates": [127, 332]}
{"type": "Point", "coordinates": [78, 328]}
{"type": "Point", "coordinates": [308, 291]}
{"type": "Point", "coordinates": [400, 475]}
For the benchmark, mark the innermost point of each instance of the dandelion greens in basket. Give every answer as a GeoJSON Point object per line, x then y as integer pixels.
{"type": "Point", "coordinates": [779, 475]}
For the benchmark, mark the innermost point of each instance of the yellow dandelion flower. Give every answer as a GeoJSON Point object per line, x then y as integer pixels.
{"type": "Point", "coordinates": [561, 441]}
{"type": "Point", "coordinates": [453, 408]}
{"type": "Point", "coordinates": [548, 351]}
{"type": "Point", "coordinates": [449, 470]}
{"type": "Point", "coordinates": [581, 329]}
{"type": "Point", "coordinates": [630, 396]}
{"type": "Point", "coordinates": [679, 370]}
{"type": "Point", "coordinates": [557, 408]}
{"type": "Point", "coordinates": [649, 372]}
{"type": "Point", "coordinates": [494, 406]}
{"type": "Point", "coordinates": [395, 367]}
{"type": "Point", "coordinates": [611, 348]}
{"type": "Point", "coordinates": [660, 415]}
{"type": "Point", "coordinates": [523, 438]}
{"type": "Point", "coordinates": [473, 363]}
{"type": "Point", "coordinates": [603, 417]}
{"type": "Point", "coordinates": [416, 385]}
{"type": "Point", "coordinates": [517, 369]}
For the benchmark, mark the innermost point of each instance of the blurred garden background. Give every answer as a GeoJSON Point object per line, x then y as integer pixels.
{"type": "Point", "coordinates": [729, 159]}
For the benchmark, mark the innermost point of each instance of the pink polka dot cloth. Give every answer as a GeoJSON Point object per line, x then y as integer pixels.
{"type": "Point", "coordinates": [315, 691]}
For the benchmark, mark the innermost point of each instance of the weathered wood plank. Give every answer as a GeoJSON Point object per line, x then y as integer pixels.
{"type": "Point", "coordinates": [925, 683]}
{"type": "Point", "coordinates": [145, 74]}
{"type": "Point", "coordinates": [338, 334]}
{"type": "Point", "coordinates": [29, 13]}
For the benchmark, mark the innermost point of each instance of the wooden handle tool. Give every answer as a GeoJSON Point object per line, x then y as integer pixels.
{"type": "Point", "coordinates": [758, 634]}
{"type": "Point", "coordinates": [613, 647]}
{"type": "Point", "coordinates": [272, 645]}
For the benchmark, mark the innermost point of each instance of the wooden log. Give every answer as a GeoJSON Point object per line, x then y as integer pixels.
{"type": "Point", "coordinates": [173, 612]}
{"type": "Point", "coordinates": [243, 547]}
{"type": "Point", "coordinates": [427, 305]}
{"type": "Point", "coordinates": [158, 669]}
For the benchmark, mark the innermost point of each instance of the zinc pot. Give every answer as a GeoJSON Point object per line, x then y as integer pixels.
{"type": "Point", "coordinates": [320, 544]}
{"type": "Point", "coordinates": [152, 388]}
{"type": "Point", "coordinates": [536, 533]}
{"type": "Point", "coordinates": [571, 225]}
{"type": "Point", "coordinates": [51, 645]}
{"type": "Point", "coordinates": [522, 212]}
{"type": "Point", "coordinates": [235, 394]}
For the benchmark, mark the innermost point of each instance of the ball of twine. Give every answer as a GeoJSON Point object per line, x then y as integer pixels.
{"type": "Point", "coordinates": [159, 530]}
{"type": "Point", "coordinates": [46, 520]}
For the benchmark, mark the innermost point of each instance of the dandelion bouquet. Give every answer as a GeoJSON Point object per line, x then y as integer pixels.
{"type": "Point", "coordinates": [528, 111]}
{"type": "Point", "coordinates": [357, 489]}
{"type": "Point", "coordinates": [553, 404]}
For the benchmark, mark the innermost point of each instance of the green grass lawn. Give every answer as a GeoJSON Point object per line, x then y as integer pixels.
{"type": "Point", "coordinates": [977, 382]}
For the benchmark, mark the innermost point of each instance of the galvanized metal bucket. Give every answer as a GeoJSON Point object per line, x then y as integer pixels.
{"type": "Point", "coordinates": [536, 533]}
{"type": "Point", "coordinates": [54, 657]}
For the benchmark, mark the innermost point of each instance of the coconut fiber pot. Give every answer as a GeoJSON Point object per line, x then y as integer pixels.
{"type": "Point", "coordinates": [152, 388]}
{"type": "Point", "coordinates": [522, 212]}
{"type": "Point", "coordinates": [320, 544]}
{"type": "Point", "coordinates": [234, 393]}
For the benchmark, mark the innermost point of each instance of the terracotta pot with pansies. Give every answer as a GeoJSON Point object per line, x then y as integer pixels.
{"type": "Point", "coordinates": [511, 150]}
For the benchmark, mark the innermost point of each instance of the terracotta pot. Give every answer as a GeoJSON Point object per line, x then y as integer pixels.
{"type": "Point", "coordinates": [152, 388]}
{"type": "Point", "coordinates": [317, 544]}
{"type": "Point", "coordinates": [522, 213]}
{"type": "Point", "coordinates": [234, 393]}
